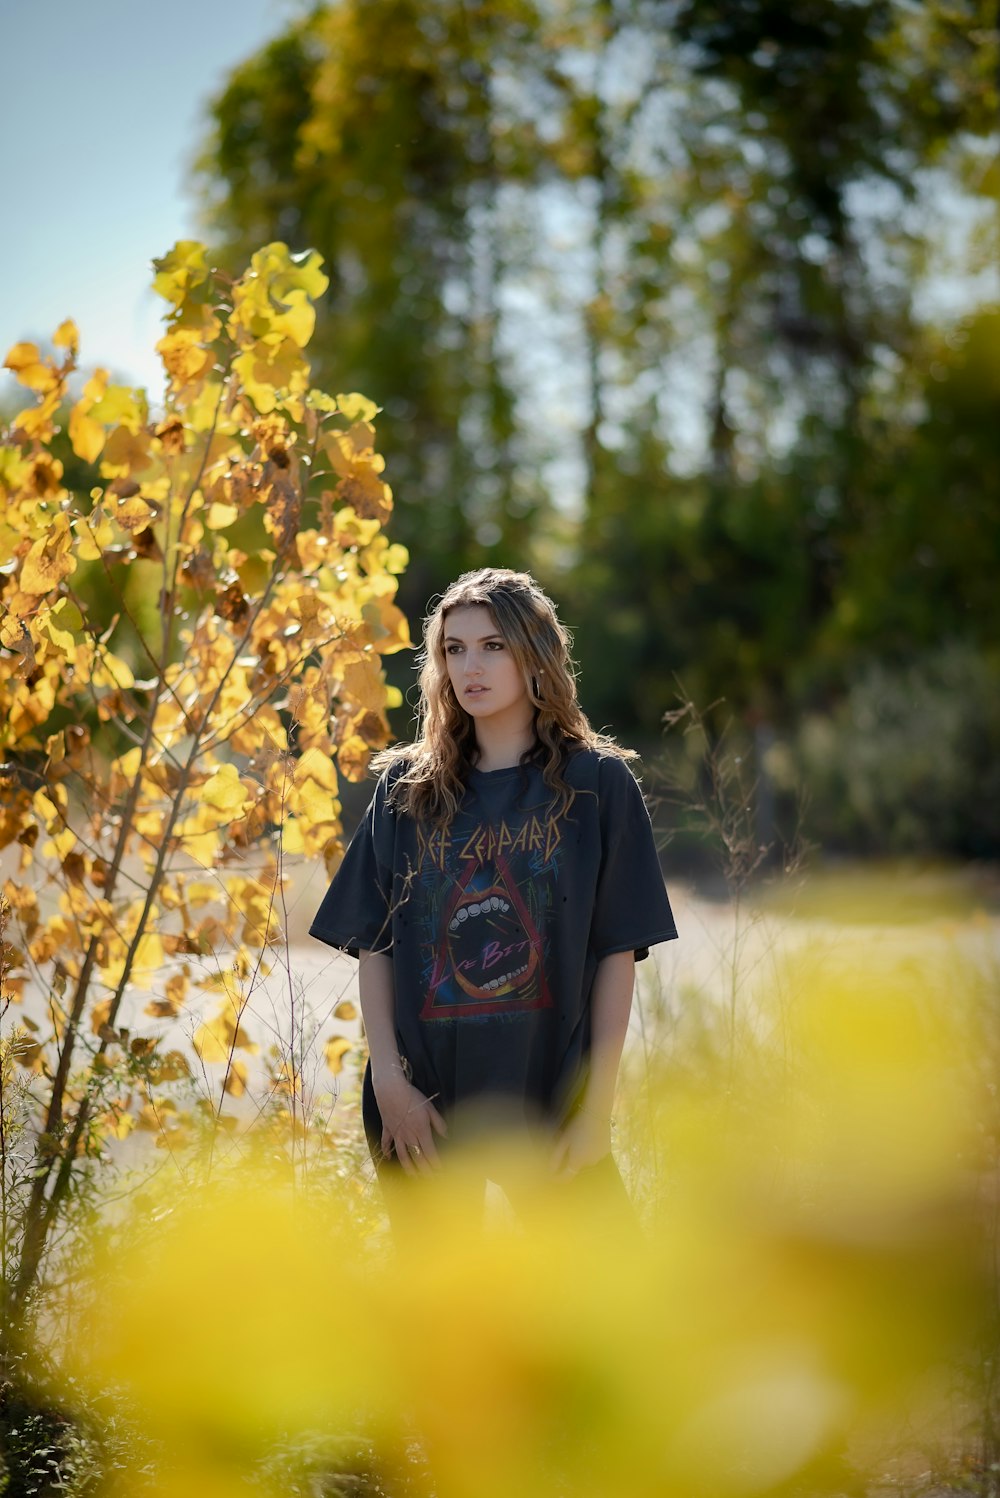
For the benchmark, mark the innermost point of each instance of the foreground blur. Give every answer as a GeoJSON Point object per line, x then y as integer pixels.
{"type": "Point", "coordinates": [814, 1257]}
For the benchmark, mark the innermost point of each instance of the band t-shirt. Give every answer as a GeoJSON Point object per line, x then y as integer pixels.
{"type": "Point", "coordinates": [496, 924]}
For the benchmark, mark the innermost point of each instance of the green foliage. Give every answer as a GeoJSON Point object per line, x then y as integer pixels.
{"type": "Point", "coordinates": [909, 762]}
{"type": "Point", "coordinates": [637, 292]}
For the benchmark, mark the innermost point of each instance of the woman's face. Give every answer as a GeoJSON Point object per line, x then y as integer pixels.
{"type": "Point", "coordinates": [485, 678]}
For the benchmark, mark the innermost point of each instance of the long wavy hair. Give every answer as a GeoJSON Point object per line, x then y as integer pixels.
{"type": "Point", "coordinates": [433, 770]}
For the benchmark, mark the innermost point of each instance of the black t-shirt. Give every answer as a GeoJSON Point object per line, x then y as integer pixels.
{"type": "Point", "coordinates": [496, 925]}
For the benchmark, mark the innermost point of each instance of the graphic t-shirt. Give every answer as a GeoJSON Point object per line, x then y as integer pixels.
{"type": "Point", "coordinates": [496, 924]}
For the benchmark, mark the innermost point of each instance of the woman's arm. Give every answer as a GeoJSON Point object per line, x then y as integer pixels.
{"type": "Point", "coordinates": [587, 1137]}
{"type": "Point", "coordinates": [409, 1119]}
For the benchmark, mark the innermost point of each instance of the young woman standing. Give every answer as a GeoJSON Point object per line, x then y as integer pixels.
{"type": "Point", "coordinates": [498, 892]}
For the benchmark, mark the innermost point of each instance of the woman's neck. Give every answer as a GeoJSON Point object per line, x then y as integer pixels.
{"type": "Point", "coordinates": [502, 748]}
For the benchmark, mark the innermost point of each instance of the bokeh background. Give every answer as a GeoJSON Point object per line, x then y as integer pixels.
{"type": "Point", "coordinates": [690, 307]}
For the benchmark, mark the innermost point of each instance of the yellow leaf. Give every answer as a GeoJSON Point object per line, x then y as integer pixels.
{"type": "Point", "coordinates": [357, 407]}
{"type": "Point", "coordinates": [127, 764]}
{"type": "Point", "coordinates": [218, 516]}
{"type": "Point", "coordinates": [149, 954]}
{"type": "Point", "coordinates": [200, 892]}
{"type": "Point", "coordinates": [256, 901]}
{"type": "Point", "coordinates": [49, 561]}
{"type": "Point", "coordinates": [291, 837]}
{"type": "Point", "coordinates": [99, 1015]}
{"type": "Point", "coordinates": [352, 757]}
{"type": "Point", "coordinates": [299, 320]}
{"type": "Point", "coordinates": [305, 271]}
{"type": "Point", "coordinates": [61, 844]}
{"type": "Point", "coordinates": [122, 1125]}
{"type": "Point", "coordinates": [349, 530]}
{"type": "Point", "coordinates": [94, 534]}
{"type": "Point", "coordinates": [318, 400]}
{"type": "Point", "coordinates": [120, 406]}
{"type": "Point", "coordinates": [212, 1040]}
{"type": "Point", "coordinates": [255, 571]}
{"type": "Point", "coordinates": [67, 335]}
{"type": "Point", "coordinates": [36, 423]}
{"type": "Point", "coordinates": [95, 386]}
{"type": "Point", "coordinates": [184, 357]}
{"type": "Point", "coordinates": [111, 671]}
{"type": "Point", "coordinates": [273, 270]}
{"type": "Point", "coordinates": [177, 988]}
{"type": "Point", "coordinates": [204, 408]}
{"type": "Point", "coordinates": [200, 844]}
{"type": "Point", "coordinates": [313, 764]}
{"type": "Point", "coordinates": [50, 806]}
{"type": "Point", "coordinates": [363, 683]}
{"type": "Point", "coordinates": [221, 1035]}
{"type": "Point", "coordinates": [133, 514]}
{"type": "Point", "coordinates": [59, 623]}
{"type": "Point", "coordinates": [365, 492]}
{"type": "Point", "coordinates": [315, 805]}
{"type": "Point", "coordinates": [170, 1006]}
{"type": "Point", "coordinates": [335, 1050]}
{"type": "Point", "coordinates": [265, 370]}
{"type": "Point", "coordinates": [236, 1078]}
{"type": "Point", "coordinates": [180, 270]}
{"type": "Point", "coordinates": [22, 356]}
{"type": "Point", "coordinates": [126, 452]}
{"type": "Point", "coordinates": [345, 1011]}
{"type": "Point", "coordinates": [224, 791]}
{"type": "Point", "coordinates": [26, 364]}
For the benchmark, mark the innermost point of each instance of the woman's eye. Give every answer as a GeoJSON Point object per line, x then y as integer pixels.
{"type": "Point", "coordinates": [494, 645]}
{"type": "Point", "coordinates": [452, 649]}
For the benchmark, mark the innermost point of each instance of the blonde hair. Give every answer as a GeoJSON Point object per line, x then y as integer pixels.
{"type": "Point", "coordinates": [434, 769]}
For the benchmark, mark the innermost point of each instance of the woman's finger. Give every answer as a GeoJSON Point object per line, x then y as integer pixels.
{"type": "Point", "coordinates": [420, 1157]}
{"type": "Point", "coordinates": [404, 1157]}
{"type": "Point", "coordinates": [437, 1121]}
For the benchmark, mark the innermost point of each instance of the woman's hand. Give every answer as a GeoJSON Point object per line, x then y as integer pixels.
{"type": "Point", "coordinates": [409, 1122]}
{"type": "Point", "coordinates": [585, 1140]}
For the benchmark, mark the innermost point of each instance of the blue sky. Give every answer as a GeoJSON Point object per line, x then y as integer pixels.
{"type": "Point", "coordinates": [102, 106]}
{"type": "Point", "coordinates": [101, 110]}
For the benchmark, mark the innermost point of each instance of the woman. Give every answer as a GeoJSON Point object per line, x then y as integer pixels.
{"type": "Point", "coordinates": [498, 892]}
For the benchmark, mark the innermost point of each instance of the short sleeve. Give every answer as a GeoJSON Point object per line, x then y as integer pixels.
{"type": "Point", "coordinates": [631, 909]}
{"type": "Point", "coordinates": [355, 911]}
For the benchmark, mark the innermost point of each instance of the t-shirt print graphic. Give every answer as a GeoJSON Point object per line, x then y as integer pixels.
{"type": "Point", "coordinates": [489, 955]}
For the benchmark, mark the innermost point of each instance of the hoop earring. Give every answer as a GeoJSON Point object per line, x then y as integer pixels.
{"type": "Point", "coordinates": [534, 686]}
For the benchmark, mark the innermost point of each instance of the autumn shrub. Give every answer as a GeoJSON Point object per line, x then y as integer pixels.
{"type": "Point", "coordinates": [160, 768]}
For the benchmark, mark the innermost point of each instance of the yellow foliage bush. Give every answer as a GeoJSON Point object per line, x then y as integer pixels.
{"type": "Point", "coordinates": [249, 509]}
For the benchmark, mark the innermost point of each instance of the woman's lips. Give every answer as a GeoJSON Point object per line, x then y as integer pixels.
{"type": "Point", "coordinates": [476, 691]}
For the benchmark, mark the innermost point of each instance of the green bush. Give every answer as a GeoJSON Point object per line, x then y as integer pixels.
{"type": "Point", "coordinates": [909, 762]}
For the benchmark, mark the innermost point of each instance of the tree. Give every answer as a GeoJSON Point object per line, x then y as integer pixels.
{"type": "Point", "coordinates": [160, 767]}
{"type": "Point", "coordinates": [637, 280]}
{"type": "Point", "coordinates": [366, 129]}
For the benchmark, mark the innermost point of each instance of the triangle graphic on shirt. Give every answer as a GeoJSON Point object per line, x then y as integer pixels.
{"type": "Point", "coordinates": [489, 952]}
